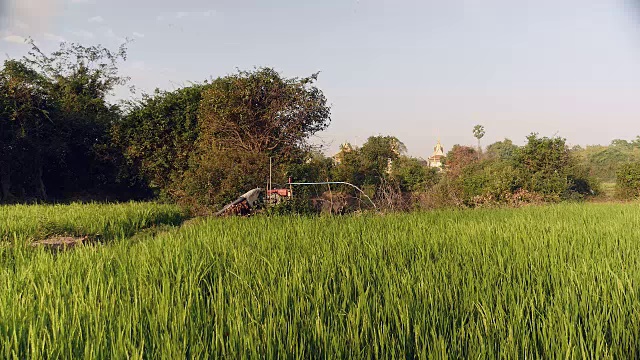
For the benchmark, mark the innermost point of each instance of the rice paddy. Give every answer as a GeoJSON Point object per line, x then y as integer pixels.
{"type": "Point", "coordinates": [105, 222]}
{"type": "Point", "coordinates": [553, 281]}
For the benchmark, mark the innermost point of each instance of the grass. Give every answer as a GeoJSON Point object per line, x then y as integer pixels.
{"type": "Point", "coordinates": [104, 221]}
{"type": "Point", "coordinates": [556, 281]}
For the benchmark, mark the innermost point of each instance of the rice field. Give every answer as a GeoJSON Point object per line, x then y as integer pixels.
{"type": "Point", "coordinates": [554, 281]}
{"type": "Point", "coordinates": [102, 221]}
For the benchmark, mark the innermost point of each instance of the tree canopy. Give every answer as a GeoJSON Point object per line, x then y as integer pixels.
{"type": "Point", "coordinates": [54, 122]}
{"type": "Point", "coordinates": [63, 138]}
{"type": "Point", "coordinates": [262, 112]}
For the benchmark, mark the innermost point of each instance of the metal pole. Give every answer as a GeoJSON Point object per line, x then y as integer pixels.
{"type": "Point", "coordinates": [330, 198]}
{"type": "Point", "coordinates": [269, 187]}
{"type": "Point", "coordinates": [290, 188]}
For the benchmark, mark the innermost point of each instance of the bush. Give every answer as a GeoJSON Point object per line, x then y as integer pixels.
{"type": "Point", "coordinates": [550, 169]}
{"type": "Point", "coordinates": [542, 170]}
{"type": "Point", "coordinates": [628, 181]}
{"type": "Point", "coordinates": [414, 175]}
{"type": "Point", "coordinates": [295, 206]}
{"type": "Point", "coordinates": [219, 177]}
{"type": "Point", "coordinates": [444, 194]}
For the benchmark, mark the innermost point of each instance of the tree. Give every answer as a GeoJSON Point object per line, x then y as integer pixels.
{"type": "Point", "coordinates": [244, 119]}
{"type": "Point", "coordinates": [262, 112]}
{"type": "Point", "coordinates": [55, 120]}
{"type": "Point", "coordinates": [478, 133]}
{"type": "Point", "coordinates": [603, 162]}
{"type": "Point", "coordinates": [628, 181]}
{"type": "Point", "coordinates": [502, 150]}
{"type": "Point", "coordinates": [25, 128]}
{"type": "Point", "coordinates": [82, 78]}
{"type": "Point", "coordinates": [550, 169]}
{"type": "Point", "coordinates": [458, 158]}
{"type": "Point", "coordinates": [414, 175]}
{"type": "Point", "coordinates": [377, 153]}
{"type": "Point", "coordinates": [157, 136]}
{"type": "Point", "coordinates": [314, 167]}
{"type": "Point", "coordinates": [350, 167]}
{"type": "Point", "coordinates": [624, 144]}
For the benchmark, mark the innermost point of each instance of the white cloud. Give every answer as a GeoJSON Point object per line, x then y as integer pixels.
{"type": "Point", "coordinates": [81, 1]}
{"type": "Point", "coordinates": [160, 18]}
{"type": "Point", "coordinates": [96, 19]}
{"type": "Point", "coordinates": [208, 13]}
{"type": "Point", "coordinates": [181, 14]}
{"type": "Point", "coordinates": [54, 37]}
{"type": "Point", "coordinates": [15, 39]}
{"type": "Point", "coordinates": [83, 34]}
{"type": "Point", "coordinates": [137, 34]}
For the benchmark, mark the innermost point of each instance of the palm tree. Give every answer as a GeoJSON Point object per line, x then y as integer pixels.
{"type": "Point", "coordinates": [478, 133]}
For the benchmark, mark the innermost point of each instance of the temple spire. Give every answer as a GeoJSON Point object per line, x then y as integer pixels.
{"type": "Point", "coordinates": [435, 160]}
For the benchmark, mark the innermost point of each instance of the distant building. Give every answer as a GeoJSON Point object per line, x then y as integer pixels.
{"type": "Point", "coordinates": [344, 148]}
{"type": "Point", "coordinates": [395, 147]}
{"type": "Point", "coordinates": [389, 166]}
{"type": "Point", "coordinates": [435, 160]}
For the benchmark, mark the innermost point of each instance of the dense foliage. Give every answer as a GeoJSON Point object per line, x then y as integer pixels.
{"type": "Point", "coordinates": [54, 124]}
{"type": "Point", "coordinates": [544, 169]}
{"type": "Point", "coordinates": [245, 119]}
{"type": "Point", "coordinates": [628, 181]}
{"type": "Point", "coordinates": [604, 161]}
{"type": "Point", "coordinates": [205, 144]}
{"type": "Point", "coordinates": [540, 282]}
{"type": "Point", "coordinates": [157, 137]}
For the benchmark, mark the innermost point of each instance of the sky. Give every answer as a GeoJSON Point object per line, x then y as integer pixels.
{"type": "Point", "coordinates": [418, 70]}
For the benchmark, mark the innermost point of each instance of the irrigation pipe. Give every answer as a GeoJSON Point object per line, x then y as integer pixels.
{"type": "Point", "coordinates": [336, 182]}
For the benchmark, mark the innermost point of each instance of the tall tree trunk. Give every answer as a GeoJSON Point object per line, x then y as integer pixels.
{"type": "Point", "coordinates": [5, 176]}
{"type": "Point", "coordinates": [5, 181]}
{"type": "Point", "coordinates": [41, 192]}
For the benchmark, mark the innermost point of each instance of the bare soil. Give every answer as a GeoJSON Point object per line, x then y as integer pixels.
{"type": "Point", "coordinates": [60, 242]}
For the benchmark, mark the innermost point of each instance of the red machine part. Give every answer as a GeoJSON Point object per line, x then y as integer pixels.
{"type": "Point", "coordinates": [279, 192]}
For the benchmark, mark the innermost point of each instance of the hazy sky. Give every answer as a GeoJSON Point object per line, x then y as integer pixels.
{"type": "Point", "coordinates": [418, 70]}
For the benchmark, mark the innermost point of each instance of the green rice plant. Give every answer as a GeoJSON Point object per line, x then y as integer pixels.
{"type": "Point", "coordinates": [104, 221]}
{"type": "Point", "coordinates": [536, 282]}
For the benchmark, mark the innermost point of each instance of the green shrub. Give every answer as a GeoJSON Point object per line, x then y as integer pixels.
{"type": "Point", "coordinates": [295, 206]}
{"type": "Point", "coordinates": [628, 181]}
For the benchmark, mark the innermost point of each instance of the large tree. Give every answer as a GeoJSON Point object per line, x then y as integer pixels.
{"type": "Point", "coordinates": [370, 164]}
{"type": "Point", "coordinates": [25, 129]}
{"type": "Point", "coordinates": [550, 168]}
{"type": "Point", "coordinates": [504, 150]}
{"type": "Point", "coordinates": [55, 119]}
{"type": "Point", "coordinates": [378, 153]}
{"type": "Point", "coordinates": [157, 136]}
{"type": "Point", "coordinates": [478, 133]}
{"type": "Point", "coordinates": [262, 112]}
{"type": "Point", "coordinates": [244, 119]}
